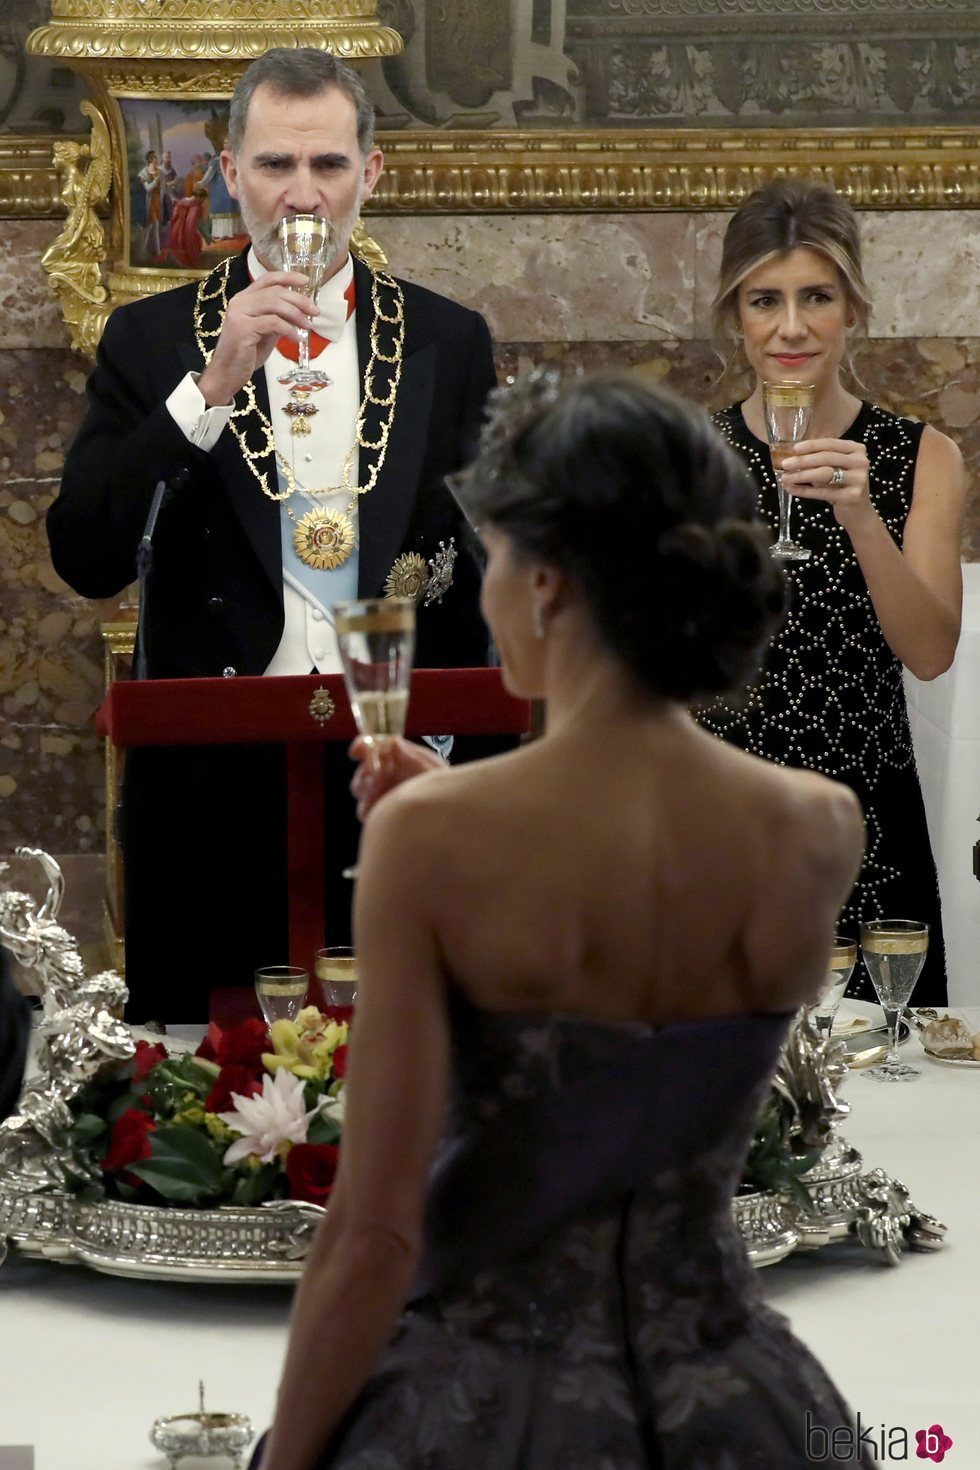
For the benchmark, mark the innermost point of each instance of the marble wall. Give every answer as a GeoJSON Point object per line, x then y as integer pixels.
{"type": "Point", "coordinates": [631, 290]}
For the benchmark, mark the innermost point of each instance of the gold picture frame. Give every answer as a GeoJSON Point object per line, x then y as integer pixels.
{"type": "Point", "coordinates": [507, 171]}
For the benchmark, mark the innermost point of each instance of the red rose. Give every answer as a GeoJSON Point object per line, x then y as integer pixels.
{"type": "Point", "coordinates": [129, 1142]}
{"type": "Point", "coordinates": [243, 1045]}
{"type": "Point", "coordinates": [340, 1062]}
{"type": "Point", "coordinates": [311, 1169]}
{"type": "Point", "coordinates": [148, 1055]}
{"type": "Point", "coordinates": [242, 1080]}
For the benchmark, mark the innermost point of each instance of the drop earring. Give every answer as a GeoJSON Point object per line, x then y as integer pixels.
{"type": "Point", "coordinates": [537, 621]}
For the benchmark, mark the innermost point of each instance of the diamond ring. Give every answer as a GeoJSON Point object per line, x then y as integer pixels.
{"type": "Point", "coordinates": [837, 476]}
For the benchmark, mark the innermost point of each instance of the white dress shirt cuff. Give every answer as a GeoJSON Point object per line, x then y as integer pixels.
{"type": "Point", "coordinates": [201, 425]}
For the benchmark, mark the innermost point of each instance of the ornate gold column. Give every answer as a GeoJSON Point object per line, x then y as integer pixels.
{"type": "Point", "coordinates": [159, 71]}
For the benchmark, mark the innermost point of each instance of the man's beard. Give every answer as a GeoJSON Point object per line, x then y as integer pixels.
{"type": "Point", "coordinates": [265, 237]}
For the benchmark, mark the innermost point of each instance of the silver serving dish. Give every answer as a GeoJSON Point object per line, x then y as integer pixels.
{"type": "Point", "coordinates": [202, 1435]}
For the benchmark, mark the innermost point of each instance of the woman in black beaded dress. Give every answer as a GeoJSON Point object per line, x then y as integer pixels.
{"type": "Point", "coordinates": [877, 500]}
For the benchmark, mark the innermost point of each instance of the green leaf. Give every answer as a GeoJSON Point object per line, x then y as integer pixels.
{"type": "Point", "coordinates": [258, 1185]}
{"type": "Point", "coordinates": [185, 1165]}
{"type": "Point", "coordinates": [323, 1129]}
{"type": "Point", "coordinates": [86, 1128]}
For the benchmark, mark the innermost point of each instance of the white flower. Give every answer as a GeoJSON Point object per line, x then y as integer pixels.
{"type": "Point", "coordinates": [272, 1117]}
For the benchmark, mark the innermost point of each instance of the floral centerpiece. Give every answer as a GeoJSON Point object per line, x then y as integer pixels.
{"type": "Point", "coordinates": [252, 1117]}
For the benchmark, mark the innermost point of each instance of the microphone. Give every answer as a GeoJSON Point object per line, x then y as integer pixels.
{"type": "Point", "coordinates": [144, 561]}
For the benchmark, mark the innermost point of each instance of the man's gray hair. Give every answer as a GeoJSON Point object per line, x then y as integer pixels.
{"type": "Point", "coordinates": [300, 72]}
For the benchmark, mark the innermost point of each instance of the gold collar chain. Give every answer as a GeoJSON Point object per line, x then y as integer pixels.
{"type": "Point", "coordinates": [249, 416]}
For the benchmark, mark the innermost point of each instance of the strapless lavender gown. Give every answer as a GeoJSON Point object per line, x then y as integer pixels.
{"type": "Point", "coordinates": [584, 1301]}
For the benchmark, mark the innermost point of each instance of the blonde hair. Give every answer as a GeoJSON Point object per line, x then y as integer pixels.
{"type": "Point", "coordinates": [789, 214]}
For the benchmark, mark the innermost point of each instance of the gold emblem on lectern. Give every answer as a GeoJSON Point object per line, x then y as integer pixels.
{"type": "Point", "coordinates": [322, 707]}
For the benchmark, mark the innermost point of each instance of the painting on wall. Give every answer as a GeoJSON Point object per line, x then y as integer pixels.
{"type": "Point", "coordinates": [181, 216]}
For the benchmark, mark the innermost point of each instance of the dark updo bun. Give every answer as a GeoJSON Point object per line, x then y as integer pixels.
{"type": "Point", "coordinates": [634, 494]}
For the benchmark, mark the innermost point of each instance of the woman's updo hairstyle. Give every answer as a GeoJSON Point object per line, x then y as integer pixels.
{"type": "Point", "coordinates": [635, 496]}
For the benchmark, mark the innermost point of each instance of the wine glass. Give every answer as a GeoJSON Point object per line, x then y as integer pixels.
{"type": "Point", "coordinates": [336, 970]}
{"type": "Point", "coordinates": [843, 957]}
{"type": "Point", "coordinates": [281, 991]}
{"type": "Point", "coordinates": [376, 640]}
{"type": "Point", "coordinates": [894, 951]}
{"type": "Point", "coordinates": [787, 407]}
{"type": "Point", "coordinates": [306, 245]}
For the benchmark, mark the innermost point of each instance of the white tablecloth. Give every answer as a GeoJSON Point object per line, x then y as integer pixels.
{"type": "Point", "coordinates": [88, 1361]}
{"type": "Point", "coordinates": [901, 1341]}
{"type": "Point", "coordinates": [945, 720]}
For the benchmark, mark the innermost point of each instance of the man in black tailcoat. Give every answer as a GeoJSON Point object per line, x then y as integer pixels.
{"type": "Point", "coordinates": [291, 492]}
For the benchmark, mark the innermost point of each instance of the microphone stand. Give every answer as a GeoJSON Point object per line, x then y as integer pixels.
{"type": "Point", "coordinates": [144, 564]}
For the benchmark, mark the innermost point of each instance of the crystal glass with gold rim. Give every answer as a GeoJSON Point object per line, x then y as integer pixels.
{"type": "Point", "coordinates": [843, 958]}
{"type": "Point", "coordinates": [787, 408]}
{"type": "Point", "coordinates": [336, 973]}
{"type": "Point", "coordinates": [894, 951]}
{"type": "Point", "coordinates": [306, 246]}
{"type": "Point", "coordinates": [281, 991]}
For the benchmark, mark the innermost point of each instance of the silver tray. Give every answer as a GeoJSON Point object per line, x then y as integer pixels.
{"type": "Point", "coordinates": [867, 1047]}
{"type": "Point", "coordinates": [231, 1244]}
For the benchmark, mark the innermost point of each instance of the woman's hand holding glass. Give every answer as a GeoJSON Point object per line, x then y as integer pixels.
{"type": "Point", "coordinates": [835, 470]}
{"type": "Point", "coordinates": [386, 765]}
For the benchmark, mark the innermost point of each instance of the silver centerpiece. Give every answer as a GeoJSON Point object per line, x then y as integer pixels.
{"type": "Point", "coordinates": [80, 1030]}
{"type": "Point", "coordinates": [845, 1203]}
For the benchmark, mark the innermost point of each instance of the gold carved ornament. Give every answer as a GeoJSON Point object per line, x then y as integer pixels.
{"type": "Point", "coordinates": [73, 261]}
{"type": "Point", "coordinates": [323, 538]}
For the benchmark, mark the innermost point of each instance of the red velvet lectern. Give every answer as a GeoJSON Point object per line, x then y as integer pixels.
{"type": "Point", "coordinates": [301, 713]}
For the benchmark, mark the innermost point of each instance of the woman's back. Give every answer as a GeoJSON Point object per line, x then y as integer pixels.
{"type": "Point", "coordinates": [638, 870]}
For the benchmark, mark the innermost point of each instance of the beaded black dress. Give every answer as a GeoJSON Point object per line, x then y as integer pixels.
{"type": "Point", "coordinates": [584, 1301]}
{"type": "Point", "coordinates": [831, 698]}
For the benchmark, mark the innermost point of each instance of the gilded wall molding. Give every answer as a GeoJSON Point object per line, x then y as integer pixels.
{"type": "Point", "coordinates": [29, 185]}
{"type": "Point", "coordinates": [208, 42]}
{"type": "Point", "coordinates": [506, 172]}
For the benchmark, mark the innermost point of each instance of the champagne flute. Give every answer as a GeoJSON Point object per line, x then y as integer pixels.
{"type": "Point", "coordinates": [787, 408]}
{"type": "Point", "coordinates": [376, 640]}
{"type": "Point", "coordinates": [843, 957]}
{"type": "Point", "coordinates": [894, 951]}
{"type": "Point", "coordinates": [306, 245]}
{"type": "Point", "coordinates": [281, 991]}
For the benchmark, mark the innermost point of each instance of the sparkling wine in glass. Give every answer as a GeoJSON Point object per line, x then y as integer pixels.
{"type": "Point", "coordinates": [336, 972]}
{"type": "Point", "coordinates": [281, 991]}
{"type": "Point", "coordinates": [306, 246]}
{"type": "Point", "coordinates": [376, 640]}
{"type": "Point", "coordinates": [843, 957]}
{"type": "Point", "coordinates": [894, 951]}
{"type": "Point", "coordinates": [788, 407]}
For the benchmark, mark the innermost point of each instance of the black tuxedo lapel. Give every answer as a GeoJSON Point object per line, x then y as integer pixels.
{"type": "Point", "coordinates": [257, 514]}
{"type": "Point", "coordinates": [383, 513]}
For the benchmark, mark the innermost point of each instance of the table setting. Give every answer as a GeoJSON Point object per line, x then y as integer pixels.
{"type": "Point", "coordinates": [158, 1160]}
